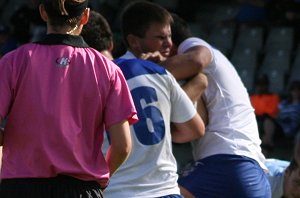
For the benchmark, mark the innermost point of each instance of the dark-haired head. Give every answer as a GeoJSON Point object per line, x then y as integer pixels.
{"type": "Point", "coordinates": [61, 13]}
{"type": "Point", "coordinates": [262, 84]}
{"type": "Point", "coordinates": [262, 79]}
{"type": "Point", "coordinates": [139, 15]}
{"type": "Point", "coordinates": [295, 85]}
{"type": "Point", "coordinates": [293, 94]}
{"type": "Point", "coordinates": [97, 32]}
{"type": "Point", "coordinates": [180, 30]}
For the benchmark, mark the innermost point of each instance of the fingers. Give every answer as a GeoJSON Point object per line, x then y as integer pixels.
{"type": "Point", "coordinates": [153, 56]}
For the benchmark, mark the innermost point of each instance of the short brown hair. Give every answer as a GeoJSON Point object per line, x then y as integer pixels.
{"type": "Point", "coordinates": [138, 16]}
{"type": "Point", "coordinates": [97, 32]}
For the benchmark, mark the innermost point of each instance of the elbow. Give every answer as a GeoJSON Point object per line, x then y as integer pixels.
{"type": "Point", "coordinates": [125, 151]}
{"type": "Point", "coordinates": [203, 81]}
{"type": "Point", "coordinates": [201, 131]}
{"type": "Point", "coordinates": [121, 150]}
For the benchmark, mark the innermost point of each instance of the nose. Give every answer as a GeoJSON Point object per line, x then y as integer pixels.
{"type": "Point", "coordinates": [168, 42]}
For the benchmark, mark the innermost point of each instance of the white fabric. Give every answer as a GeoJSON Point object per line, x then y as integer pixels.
{"type": "Point", "coordinates": [232, 127]}
{"type": "Point", "coordinates": [151, 170]}
{"type": "Point", "coordinates": [276, 175]}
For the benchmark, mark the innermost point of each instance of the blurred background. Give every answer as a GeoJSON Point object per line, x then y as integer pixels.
{"type": "Point", "coordinates": [259, 37]}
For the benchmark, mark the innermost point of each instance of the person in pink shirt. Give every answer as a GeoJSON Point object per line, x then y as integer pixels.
{"type": "Point", "coordinates": [58, 96]}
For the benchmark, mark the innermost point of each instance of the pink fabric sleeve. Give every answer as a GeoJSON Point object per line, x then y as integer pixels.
{"type": "Point", "coordinates": [120, 105]}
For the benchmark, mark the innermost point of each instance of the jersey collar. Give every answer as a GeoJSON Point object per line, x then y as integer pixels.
{"type": "Point", "coordinates": [63, 39]}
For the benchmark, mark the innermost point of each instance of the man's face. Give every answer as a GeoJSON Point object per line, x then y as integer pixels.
{"type": "Point", "coordinates": [292, 184]}
{"type": "Point", "coordinates": [292, 177]}
{"type": "Point", "coordinates": [157, 38]}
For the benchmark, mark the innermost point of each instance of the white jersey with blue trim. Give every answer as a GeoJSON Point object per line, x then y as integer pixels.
{"type": "Point", "coordinates": [232, 127]}
{"type": "Point", "coordinates": [150, 170]}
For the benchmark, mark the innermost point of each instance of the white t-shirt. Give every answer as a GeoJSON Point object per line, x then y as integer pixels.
{"type": "Point", "coordinates": [232, 127]}
{"type": "Point", "coordinates": [151, 170]}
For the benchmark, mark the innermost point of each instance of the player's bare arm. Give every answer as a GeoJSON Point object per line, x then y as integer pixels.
{"type": "Point", "coordinates": [1, 133]}
{"type": "Point", "coordinates": [120, 147]}
{"type": "Point", "coordinates": [188, 131]}
{"type": "Point", "coordinates": [195, 87]}
{"type": "Point", "coordinates": [187, 65]}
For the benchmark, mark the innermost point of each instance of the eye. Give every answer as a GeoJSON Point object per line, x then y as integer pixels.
{"type": "Point", "coordinates": [161, 37]}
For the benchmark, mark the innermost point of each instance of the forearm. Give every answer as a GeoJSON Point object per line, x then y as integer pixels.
{"type": "Point", "coordinates": [188, 131]}
{"type": "Point", "coordinates": [1, 133]}
{"type": "Point", "coordinates": [120, 146]}
{"type": "Point", "coordinates": [202, 110]}
{"type": "Point", "coordinates": [1, 136]}
{"type": "Point", "coordinates": [182, 66]}
{"type": "Point", "coordinates": [195, 87]}
{"type": "Point", "coordinates": [189, 64]}
{"type": "Point", "coordinates": [115, 159]}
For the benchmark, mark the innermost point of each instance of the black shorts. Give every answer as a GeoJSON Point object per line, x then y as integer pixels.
{"type": "Point", "coordinates": [58, 187]}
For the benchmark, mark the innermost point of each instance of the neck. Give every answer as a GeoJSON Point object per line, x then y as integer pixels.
{"type": "Point", "coordinates": [135, 53]}
{"type": "Point", "coordinates": [107, 54]}
{"type": "Point", "coordinates": [65, 30]}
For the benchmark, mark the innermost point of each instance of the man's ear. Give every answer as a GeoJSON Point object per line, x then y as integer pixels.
{"type": "Point", "coordinates": [85, 17]}
{"type": "Point", "coordinates": [43, 13]}
{"type": "Point", "coordinates": [133, 42]}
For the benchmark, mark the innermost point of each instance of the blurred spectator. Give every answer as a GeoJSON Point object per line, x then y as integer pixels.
{"type": "Point", "coordinates": [19, 33]}
{"type": "Point", "coordinates": [265, 104]}
{"type": "Point", "coordinates": [6, 44]}
{"type": "Point", "coordinates": [289, 111]}
{"type": "Point", "coordinates": [287, 123]}
{"type": "Point", "coordinates": [21, 21]}
{"type": "Point", "coordinates": [252, 12]}
{"type": "Point", "coordinates": [284, 12]}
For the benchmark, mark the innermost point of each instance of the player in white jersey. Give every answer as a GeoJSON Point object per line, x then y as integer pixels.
{"type": "Point", "coordinates": [58, 96]}
{"type": "Point", "coordinates": [228, 159]}
{"type": "Point", "coordinates": [151, 170]}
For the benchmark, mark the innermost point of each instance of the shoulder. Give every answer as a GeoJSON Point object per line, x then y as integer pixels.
{"type": "Point", "coordinates": [190, 43]}
{"type": "Point", "coordinates": [19, 53]}
{"type": "Point", "coordinates": [136, 67]}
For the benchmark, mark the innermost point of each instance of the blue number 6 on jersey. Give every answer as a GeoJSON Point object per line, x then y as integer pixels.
{"type": "Point", "coordinates": [150, 129]}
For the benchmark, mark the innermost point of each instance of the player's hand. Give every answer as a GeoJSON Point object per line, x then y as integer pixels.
{"type": "Point", "coordinates": [153, 56]}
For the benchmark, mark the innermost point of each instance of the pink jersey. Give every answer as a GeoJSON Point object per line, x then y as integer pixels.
{"type": "Point", "coordinates": [59, 97]}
